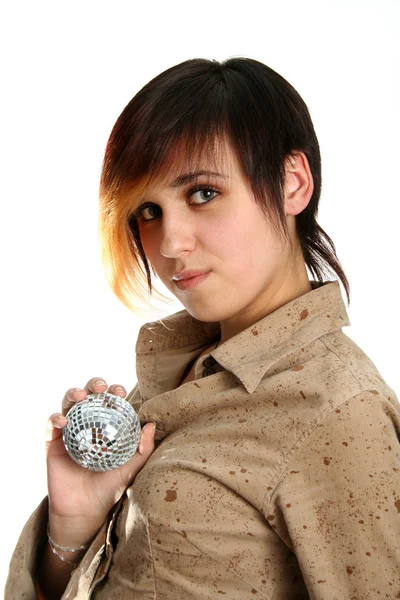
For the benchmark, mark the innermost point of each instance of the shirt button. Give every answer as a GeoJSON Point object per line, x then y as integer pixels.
{"type": "Point", "coordinates": [208, 372]}
{"type": "Point", "coordinates": [209, 362]}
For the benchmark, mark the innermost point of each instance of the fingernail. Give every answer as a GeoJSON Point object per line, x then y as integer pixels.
{"type": "Point", "coordinates": [77, 390]}
{"type": "Point", "coordinates": [100, 382]}
{"type": "Point", "coordinates": [57, 424]}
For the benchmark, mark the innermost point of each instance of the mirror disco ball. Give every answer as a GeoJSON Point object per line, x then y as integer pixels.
{"type": "Point", "coordinates": [102, 432]}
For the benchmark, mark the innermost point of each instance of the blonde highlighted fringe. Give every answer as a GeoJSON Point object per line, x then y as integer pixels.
{"type": "Point", "coordinates": [124, 271]}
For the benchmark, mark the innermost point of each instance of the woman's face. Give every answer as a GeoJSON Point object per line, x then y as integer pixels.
{"type": "Point", "coordinates": [220, 230]}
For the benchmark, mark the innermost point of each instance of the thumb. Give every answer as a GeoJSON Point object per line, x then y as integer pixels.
{"type": "Point", "coordinates": [139, 459]}
{"type": "Point", "coordinates": [147, 439]}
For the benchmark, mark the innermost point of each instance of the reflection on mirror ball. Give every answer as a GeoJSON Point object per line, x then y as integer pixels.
{"type": "Point", "coordinates": [102, 432]}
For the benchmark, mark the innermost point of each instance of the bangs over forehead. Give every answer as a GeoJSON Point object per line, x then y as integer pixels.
{"type": "Point", "coordinates": [191, 153]}
{"type": "Point", "coordinates": [181, 121]}
{"type": "Point", "coordinates": [168, 129]}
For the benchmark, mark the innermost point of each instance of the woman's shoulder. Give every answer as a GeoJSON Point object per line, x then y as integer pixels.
{"type": "Point", "coordinates": [359, 365]}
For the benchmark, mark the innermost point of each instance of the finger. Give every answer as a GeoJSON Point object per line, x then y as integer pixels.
{"type": "Point", "coordinates": [146, 447]}
{"type": "Point", "coordinates": [54, 426]}
{"type": "Point", "coordinates": [72, 396]}
{"type": "Point", "coordinates": [117, 389]}
{"type": "Point", "coordinates": [96, 385]}
{"type": "Point", "coordinates": [146, 444]}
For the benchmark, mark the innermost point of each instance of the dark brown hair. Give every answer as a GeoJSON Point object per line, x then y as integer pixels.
{"type": "Point", "coordinates": [186, 113]}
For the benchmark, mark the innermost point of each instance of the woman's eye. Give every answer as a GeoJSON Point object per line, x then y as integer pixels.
{"type": "Point", "coordinates": [150, 215]}
{"type": "Point", "coordinates": [153, 211]}
{"type": "Point", "coordinates": [205, 191]}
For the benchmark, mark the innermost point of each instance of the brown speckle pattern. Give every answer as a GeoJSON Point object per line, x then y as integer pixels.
{"type": "Point", "coordinates": [170, 496]}
{"type": "Point", "coordinates": [277, 476]}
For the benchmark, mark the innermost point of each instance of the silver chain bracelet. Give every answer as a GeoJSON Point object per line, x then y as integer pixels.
{"type": "Point", "coordinates": [53, 547]}
{"type": "Point", "coordinates": [54, 551]}
{"type": "Point", "coordinates": [52, 542]}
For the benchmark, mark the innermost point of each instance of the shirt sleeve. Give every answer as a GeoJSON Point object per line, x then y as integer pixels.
{"type": "Point", "coordinates": [22, 576]}
{"type": "Point", "coordinates": [134, 398]}
{"type": "Point", "coordinates": [21, 580]}
{"type": "Point", "coordinates": [337, 505]}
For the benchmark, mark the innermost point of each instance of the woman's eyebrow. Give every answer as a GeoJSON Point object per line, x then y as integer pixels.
{"type": "Point", "coordinates": [189, 177]}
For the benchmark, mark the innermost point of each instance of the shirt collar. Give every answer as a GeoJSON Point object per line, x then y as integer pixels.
{"type": "Point", "coordinates": [253, 351]}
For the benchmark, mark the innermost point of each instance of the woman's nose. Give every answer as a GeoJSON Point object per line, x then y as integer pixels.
{"type": "Point", "coordinates": [176, 236]}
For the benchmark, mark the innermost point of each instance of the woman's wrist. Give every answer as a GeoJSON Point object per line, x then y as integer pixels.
{"type": "Point", "coordinates": [64, 552]}
{"type": "Point", "coordinates": [73, 532]}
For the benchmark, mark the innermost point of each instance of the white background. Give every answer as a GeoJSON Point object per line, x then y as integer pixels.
{"type": "Point", "coordinates": [68, 69]}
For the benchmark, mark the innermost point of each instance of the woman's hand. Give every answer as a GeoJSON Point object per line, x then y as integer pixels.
{"type": "Point", "coordinates": [80, 499]}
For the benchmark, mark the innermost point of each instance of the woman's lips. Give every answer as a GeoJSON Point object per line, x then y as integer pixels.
{"type": "Point", "coordinates": [187, 284]}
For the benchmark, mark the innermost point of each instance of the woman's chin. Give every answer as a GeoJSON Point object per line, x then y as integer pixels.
{"type": "Point", "coordinates": [206, 313]}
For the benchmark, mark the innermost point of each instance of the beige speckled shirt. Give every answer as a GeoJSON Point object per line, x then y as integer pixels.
{"type": "Point", "coordinates": [276, 475]}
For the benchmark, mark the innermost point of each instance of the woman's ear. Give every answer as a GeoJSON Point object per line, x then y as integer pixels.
{"type": "Point", "coordinates": [299, 184]}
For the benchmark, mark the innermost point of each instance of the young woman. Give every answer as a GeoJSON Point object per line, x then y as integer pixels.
{"type": "Point", "coordinates": [273, 471]}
